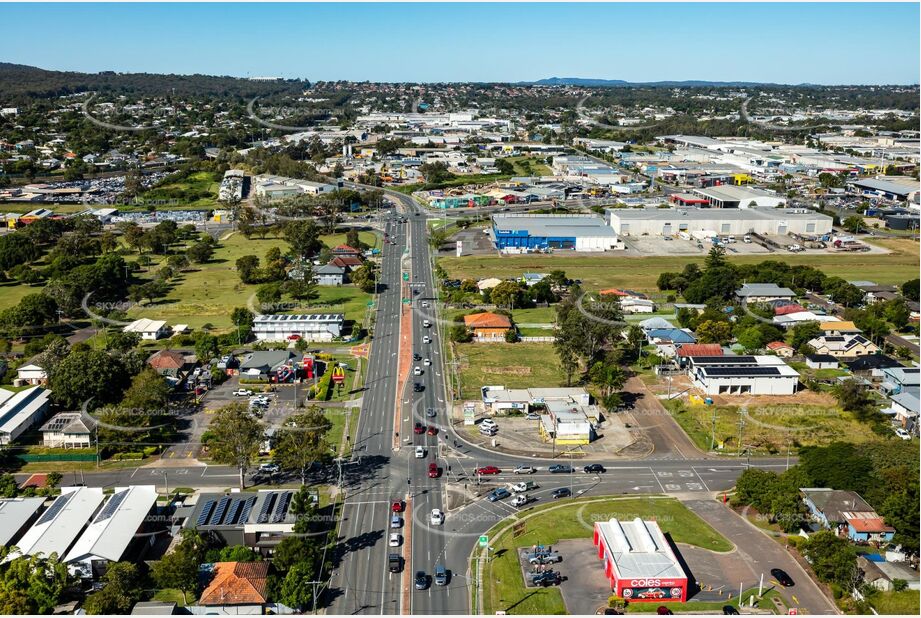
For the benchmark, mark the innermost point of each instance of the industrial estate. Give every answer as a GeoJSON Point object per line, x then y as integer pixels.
{"type": "Point", "coordinates": [270, 345]}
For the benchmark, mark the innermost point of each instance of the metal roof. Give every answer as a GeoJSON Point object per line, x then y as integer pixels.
{"type": "Point", "coordinates": [14, 513]}
{"type": "Point", "coordinates": [714, 214]}
{"type": "Point", "coordinates": [555, 225]}
{"type": "Point", "coordinates": [113, 528]}
{"type": "Point", "coordinates": [60, 525]}
{"type": "Point", "coordinates": [639, 550]}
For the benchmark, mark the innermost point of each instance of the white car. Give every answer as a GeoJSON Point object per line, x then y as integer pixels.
{"type": "Point", "coordinates": [437, 517]}
{"type": "Point", "coordinates": [903, 434]}
{"type": "Point", "coordinates": [524, 470]}
{"type": "Point", "coordinates": [242, 392]}
{"type": "Point", "coordinates": [426, 339]}
{"type": "Point", "coordinates": [420, 452]}
{"type": "Point", "coordinates": [395, 540]}
{"type": "Point", "coordinates": [520, 500]}
{"type": "Point", "coordinates": [417, 371]}
{"type": "Point", "coordinates": [488, 423]}
{"type": "Point", "coordinates": [424, 304]}
{"type": "Point", "coordinates": [427, 362]}
{"type": "Point", "coordinates": [269, 468]}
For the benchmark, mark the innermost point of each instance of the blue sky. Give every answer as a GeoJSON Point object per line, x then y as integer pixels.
{"type": "Point", "coordinates": [826, 43]}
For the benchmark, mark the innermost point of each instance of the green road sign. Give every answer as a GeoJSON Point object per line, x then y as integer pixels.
{"type": "Point", "coordinates": [370, 303]}
{"type": "Point", "coordinates": [405, 276]}
{"type": "Point", "coordinates": [484, 541]}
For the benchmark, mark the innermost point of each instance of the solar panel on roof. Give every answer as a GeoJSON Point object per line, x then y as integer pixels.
{"type": "Point", "coordinates": [720, 372]}
{"type": "Point", "coordinates": [219, 511]}
{"type": "Point", "coordinates": [247, 508]}
{"type": "Point", "coordinates": [724, 360]}
{"type": "Point", "coordinates": [112, 505]}
{"type": "Point", "coordinates": [205, 512]}
{"type": "Point", "coordinates": [281, 509]}
{"type": "Point", "coordinates": [233, 511]}
{"type": "Point", "coordinates": [267, 505]}
{"type": "Point", "coordinates": [55, 508]}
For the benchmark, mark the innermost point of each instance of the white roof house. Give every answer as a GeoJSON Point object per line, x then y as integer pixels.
{"type": "Point", "coordinates": [31, 374]}
{"type": "Point", "coordinates": [60, 525]}
{"type": "Point", "coordinates": [20, 411]}
{"type": "Point", "coordinates": [15, 513]}
{"type": "Point", "coordinates": [742, 375]}
{"type": "Point", "coordinates": [308, 326]}
{"type": "Point", "coordinates": [147, 328]}
{"type": "Point", "coordinates": [113, 529]}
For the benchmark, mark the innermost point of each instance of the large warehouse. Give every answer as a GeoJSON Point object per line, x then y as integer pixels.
{"type": "Point", "coordinates": [519, 233]}
{"type": "Point", "coordinates": [639, 562]}
{"type": "Point", "coordinates": [742, 375]}
{"type": "Point", "coordinates": [670, 221]}
{"type": "Point", "coordinates": [740, 197]}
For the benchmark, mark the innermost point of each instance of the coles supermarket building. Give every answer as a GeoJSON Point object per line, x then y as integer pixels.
{"type": "Point", "coordinates": [639, 562]}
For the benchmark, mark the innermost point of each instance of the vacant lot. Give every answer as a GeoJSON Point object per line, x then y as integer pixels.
{"type": "Point", "coordinates": [640, 273]}
{"type": "Point", "coordinates": [514, 365]}
{"type": "Point", "coordinates": [505, 588]}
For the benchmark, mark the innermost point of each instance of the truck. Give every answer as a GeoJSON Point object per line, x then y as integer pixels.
{"type": "Point", "coordinates": [394, 563]}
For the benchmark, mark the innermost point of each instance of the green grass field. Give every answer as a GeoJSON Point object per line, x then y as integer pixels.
{"type": "Point", "coordinates": [514, 365]}
{"type": "Point", "coordinates": [504, 586]}
{"type": "Point", "coordinates": [896, 603]}
{"type": "Point", "coordinates": [640, 273]}
{"type": "Point", "coordinates": [198, 183]}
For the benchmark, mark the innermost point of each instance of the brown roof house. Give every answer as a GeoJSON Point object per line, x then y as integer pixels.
{"type": "Point", "coordinates": [488, 327]}
{"type": "Point", "coordinates": [238, 584]}
{"type": "Point", "coordinates": [169, 363]}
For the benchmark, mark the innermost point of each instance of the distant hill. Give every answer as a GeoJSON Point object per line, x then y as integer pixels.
{"type": "Point", "coordinates": [23, 80]}
{"type": "Point", "coordinates": [614, 83]}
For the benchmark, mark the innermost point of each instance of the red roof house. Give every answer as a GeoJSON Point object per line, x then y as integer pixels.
{"type": "Point", "coordinates": [237, 583]}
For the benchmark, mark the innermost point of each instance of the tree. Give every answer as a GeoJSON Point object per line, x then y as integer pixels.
{"type": "Point", "coordinates": [200, 252]}
{"type": "Point", "coordinates": [803, 333]}
{"type": "Point", "coordinates": [206, 347]}
{"type": "Point", "coordinates": [608, 377]}
{"type": "Point", "coordinates": [752, 339]}
{"type": "Point", "coordinates": [179, 568]}
{"type": "Point", "coordinates": [912, 289]}
{"type": "Point", "coordinates": [248, 268]}
{"type": "Point", "coordinates": [897, 312]}
{"type": "Point", "coordinates": [853, 224]}
{"type": "Point", "coordinates": [900, 511]}
{"type": "Point", "coordinates": [304, 238]}
{"type": "Point", "coordinates": [460, 334]}
{"type": "Point", "coordinates": [296, 589]}
{"type": "Point", "coordinates": [352, 239]}
{"type": "Point", "coordinates": [235, 438]}
{"type": "Point", "coordinates": [302, 441]}
{"type": "Point", "coordinates": [32, 584]}
{"type": "Point", "coordinates": [87, 374]}
{"type": "Point", "coordinates": [839, 465]}
{"type": "Point", "coordinates": [269, 294]}
{"type": "Point", "coordinates": [121, 590]}
{"type": "Point", "coordinates": [305, 287]}
{"type": "Point", "coordinates": [241, 316]}
{"type": "Point", "coordinates": [832, 558]}
{"type": "Point", "coordinates": [507, 294]}
{"type": "Point", "coordinates": [714, 332]}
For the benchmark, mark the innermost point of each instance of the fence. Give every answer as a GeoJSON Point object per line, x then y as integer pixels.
{"type": "Point", "coordinates": [32, 458]}
{"type": "Point", "coordinates": [538, 339]}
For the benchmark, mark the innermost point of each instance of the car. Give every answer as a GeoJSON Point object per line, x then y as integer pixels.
{"type": "Point", "coordinates": [499, 493]}
{"type": "Point", "coordinates": [520, 500]}
{"type": "Point", "coordinates": [729, 610]}
{"type": "Point", "coordinates": [484, 470]}
{"type": "Point", "coordinates": [593, 468]}
{"type": "Point", "coordinates": [426, 324]}
{"type": "Point", "coordinates": [547, 578]}
{"type": "Point", "coordinates": [544, 557]}
{"type": "Point", "coordinates": [488, 422]}
{"type": "Point", "coordinates": [397, 506]}
{"type": "Point", "coordinates": [396, 521]}
{"type": "Point", "coordinates": [782, 577]}
{"type": "Point", "coordinates": [489, 431]}
{"type": "Point", "coordinates": [431, 412]}
{"type": "Point", "coordinates": [437, 517]}
{"type": "Point", "coordinates": [395, 539]}
{"type": "Point", "coordinates": [441, 575]}
{"type": "Point", "coordinates": [426, 339]}
{"type": "Point", "coordinates": [524, 470]}
{"type": "Point", "coordinates": [434, 470]}
{"type": "Point", "coordinates": [395, 563]}
{"type": "Point", "coordinates": [523, 486]}
{"type": "Point", "coordinates": [269, 468]}
{"type": "Point", "coordinates": [431, 431]}
{"type": "Point", "coordinates": [418, 387]}
{"type": "Point", "coordinates": [418, 428]}
{"type": "Point", "coordinates": [417, 371]}
{"type": "Point", "coordinates": [668, 238]}
{"type": "Point", "coordinates": [417, 356]}
{"type": "Point", "coordinates": [420, 452]}
{"type": "Point", "coordinates": [242, 392]}
{"type": "Point", "coordinates": [427, 362]}
{"type": "Point", "coordinates": [559, 469]}
{"type": "Point", "coordinates": [421, 581]}
{"type": "Point", "coordinates": [652, 593]}
{"type": "Point", "coordinates": [562, 492]}
{"type": "Point", "coordinates": [532, 416]}
{"type": "Point", "coordinates": [902, 434]}
{"type": "Point", "coordinates": [425, 304]}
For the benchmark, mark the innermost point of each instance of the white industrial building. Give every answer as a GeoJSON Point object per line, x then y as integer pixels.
{"type": "Point", "coordinates": [113, 530]}
{"type": "Point", "coordinates": [714, 221]}
{"type": "Point", "coordinates": [729, 196]}
{"type": "Point", "coordinates": [290, 327]}
{"type": "Point", "coordinates": [20, 411]}
{"type": "Point", "coordinates": [742, 375]}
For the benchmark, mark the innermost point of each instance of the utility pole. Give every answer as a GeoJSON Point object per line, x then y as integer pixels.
{"type": "Point", "coordinates": [741, 425]}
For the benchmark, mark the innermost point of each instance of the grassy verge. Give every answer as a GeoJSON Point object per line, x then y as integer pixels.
{"type": "Point", "coordinates": [514, 365]}
{"type": "Point", "coordinates": [502, 580]}
{"type": "Point", "coordinates": [708, 606]}
{"type": "Point", "coordinates": [904, 603]}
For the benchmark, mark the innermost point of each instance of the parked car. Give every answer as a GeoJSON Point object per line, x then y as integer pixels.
{"type": "Point", "coordinates": [547, 578]}
{"type": "Point", "coordinates": [484, 470]}
{"type": "Point", "coordinates": [499, 493]}
{"type": "Point", "coordinates": [593, 468]}
{"type": "Point", "coordinates": [559, 469]}
{"type": "Point", "coordinates": [562, 492]}
{"type": "Point", "coordinates": [520, 500]}
{"type": "Point", "coordinates": [544, 558]}
{"type": "Point", "coordinates": [524, 470]}
{"type": "Point", "coordinates": [532, 416]}
{"type": "Point", "coordinates": [395, 540]}
{"type": "Point", "coordinates": [729, 610]}
{"type": "Point", "coordinates": [782, 577]}
{"type": "Point", "coordinates": [242, 392]}
{"type": "Point", "coordinates": [523, 486]}
{"type": "Point", "coordinates": [269, 468]}
{"type": "Point", "coordinates": [396, 521]}
{"type": "Point", "coordinates": [902, 434]}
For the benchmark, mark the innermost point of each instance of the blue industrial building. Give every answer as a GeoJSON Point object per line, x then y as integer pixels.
{"type": "Point", "coordinates": [528, 232]}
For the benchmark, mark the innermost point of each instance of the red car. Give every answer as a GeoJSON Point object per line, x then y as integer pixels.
{"type": "Point", "coordinates": [397, 506]}
{"type": "Point", "coordinates": [654, 593]}
{"type": "Point", "coordinates": [434, 471]}
{"type": "Point", "coordinates": [432, 430]}
{"type": "Point", "coordinates": [488, 470]}
{"type": "Point", "coordinates": [419, 428]}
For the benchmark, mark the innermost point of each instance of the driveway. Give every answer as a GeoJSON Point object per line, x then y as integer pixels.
{"type": "Point", "coordinates": [762, 553]}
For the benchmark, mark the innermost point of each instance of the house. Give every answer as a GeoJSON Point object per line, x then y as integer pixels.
{"type": "Point", "coordinates": [789, 320]}
{"type": "Point", "coordinates": [867, 528]}
{"type": "Point", "coordinates": [345, 250]}
{"type": "Point", "coordinates": [530, 279]}
{"type": "Point", "coordinates": [898, 379]}
{"type": "Point", "coordinates": [871, 365]}
{"type": "Point", "coordinates": [487, 284]}
{"type": "Point", "coordinates": [781, 349]}
{"type": "Point", "coordinates": [264, 363]}
{"type": "Point", "coordinates": [630, 301]}
{"type": "Point", "coordinates": [763, 292]}
{"type": "Point", "coordinates": [821, 361]}
{"type": "Point", "coordinates": [31, 374]}
{"type": "Point", "coordinates": [237, 584]}
{"type": "Point", "coordinates": [258, 520]}
{"type": "Point", "coordinates": [149, 330]}
{"type": "Point", "coordinates": [66, 430]}
{"type": "Point", "coordinates": [874, 293]}
{"type": "Point", "coordinates": [348, 262]}
{"type": "Point", "coordinates": [61, 523]}
{"type": "Point", "coordinates": [904, 406]}
{"type": "Point", "coordinates": [291, 327]}
{"type": "Point", "coordinates": [155, 608]}
{"type": "Point", "coordinates": [113, 535]}
{"type": "Point", "coordinates": [840, 327]}
{"type": "Point", "coordinates": [167, 362]}
{"type": "Point", "coordinates": [833, 507]}
{"type": "Point", "coordinates": [687, 350]}
{"type": "Point", "coordinates": [742, 375]}
{"type": "Point", "coordinates": [329, 275]}
{"type": "Point", "coordinates": [20, 411]}
{"type": "Point", "coordinates": [843, 346]}
{"type": "Point", "coordinates": [16, 516]}
{"type": "Point", "coordinates": [880, 573]}
{"type": "Point", "coordinates": [487, 326]}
